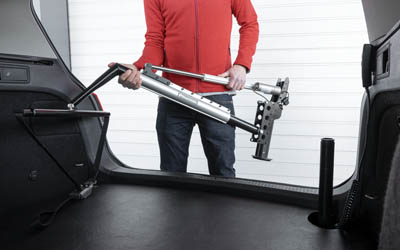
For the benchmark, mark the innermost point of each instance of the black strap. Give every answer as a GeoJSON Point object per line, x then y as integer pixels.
{"type": "Point", "coordinates": [46, 218]}
{"type": "Point", "coordinates": [100, 146]}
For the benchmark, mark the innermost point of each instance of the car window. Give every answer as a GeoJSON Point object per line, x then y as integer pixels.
{"type": "Point", "coordinates": [19, 25]}
{"type": "Point", "coordinates": [53, 15]}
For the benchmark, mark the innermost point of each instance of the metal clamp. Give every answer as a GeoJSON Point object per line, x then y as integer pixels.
{"type": "Point", "coordinates": [148, 71]}
{"type": "Point", "coordinates": [266, 114]}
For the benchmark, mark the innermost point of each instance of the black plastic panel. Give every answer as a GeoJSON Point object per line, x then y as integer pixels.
{"type": "Point", "coordinates": [28, 177]}
{"type": "Point", "coordinates": [14, 74]}
{"type": "Point", "coordinates": [381, 134]}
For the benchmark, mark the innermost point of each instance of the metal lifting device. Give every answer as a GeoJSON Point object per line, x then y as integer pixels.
{"type": "Point", "coordinates": [267, 111]}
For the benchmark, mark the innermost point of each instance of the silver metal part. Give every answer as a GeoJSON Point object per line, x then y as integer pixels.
{"type": "Point", "coordinates": [178, 72]}
{"type": "Point", "coordinates": [84, 193]}
{"type": "Point", "coordinates": [264, 88]}
{"type": "Point", "coordinates": [267, 89]}
{"type": "Point", "coordinates": [188, 99]}
{"type": "Point", "coordinates": [71, 106]}
{"type": "Point", "coordinates": [215, 79]}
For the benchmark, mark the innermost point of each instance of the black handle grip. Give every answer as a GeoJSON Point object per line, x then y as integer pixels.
{"type": "Point", "coordinates": [115, 70]}
{"type": "Point", "coordinates": [119, 68]}
{"type": "Point", "coordinates": [367, 65]}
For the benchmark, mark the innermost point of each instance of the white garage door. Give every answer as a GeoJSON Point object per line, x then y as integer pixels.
{"type": "Point", "coordinates": [317, 43]}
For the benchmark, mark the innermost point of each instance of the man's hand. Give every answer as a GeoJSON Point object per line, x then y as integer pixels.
{"type": "Point", "coordinates": [131, 78]}
{"type": "Point", "coordinates": [237, 77]}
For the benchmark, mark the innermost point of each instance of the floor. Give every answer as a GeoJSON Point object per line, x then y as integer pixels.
{"type": "Point", "coordinates": [152, 218]}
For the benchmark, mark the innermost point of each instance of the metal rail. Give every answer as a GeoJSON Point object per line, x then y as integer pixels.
{"type": "Point", "coordinates": [261, 87]}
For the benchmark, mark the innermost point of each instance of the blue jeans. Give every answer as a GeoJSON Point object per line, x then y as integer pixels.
{"type": "Point", "coordinates": [174, 129]}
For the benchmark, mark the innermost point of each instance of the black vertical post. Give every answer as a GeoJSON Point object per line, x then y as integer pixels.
{"type": "Point", "coordinates": [326, 182]}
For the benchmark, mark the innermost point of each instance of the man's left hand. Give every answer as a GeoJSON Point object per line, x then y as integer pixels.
{"type": "Point", "coordinates": [237, 77]}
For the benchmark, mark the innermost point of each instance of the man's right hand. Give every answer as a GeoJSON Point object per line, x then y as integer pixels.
{"type": "Point", "coordinates": [131, 78]}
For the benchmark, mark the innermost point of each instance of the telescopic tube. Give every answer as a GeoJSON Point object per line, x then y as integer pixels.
{"type": "Point", "coordinates": [262, 87]}
{"type": "Point", "coordinates": [178, 72]}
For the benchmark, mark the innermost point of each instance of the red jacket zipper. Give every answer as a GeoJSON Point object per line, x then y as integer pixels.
{"type": "Point", "coordinates": [196, 14]}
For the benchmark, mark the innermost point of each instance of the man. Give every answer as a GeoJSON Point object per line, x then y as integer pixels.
{"type": "Point", "coordinates": [194, 36]}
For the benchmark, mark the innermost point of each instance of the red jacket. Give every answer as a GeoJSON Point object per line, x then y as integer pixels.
{"type": "Point", "coordinates": [195, 35]}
